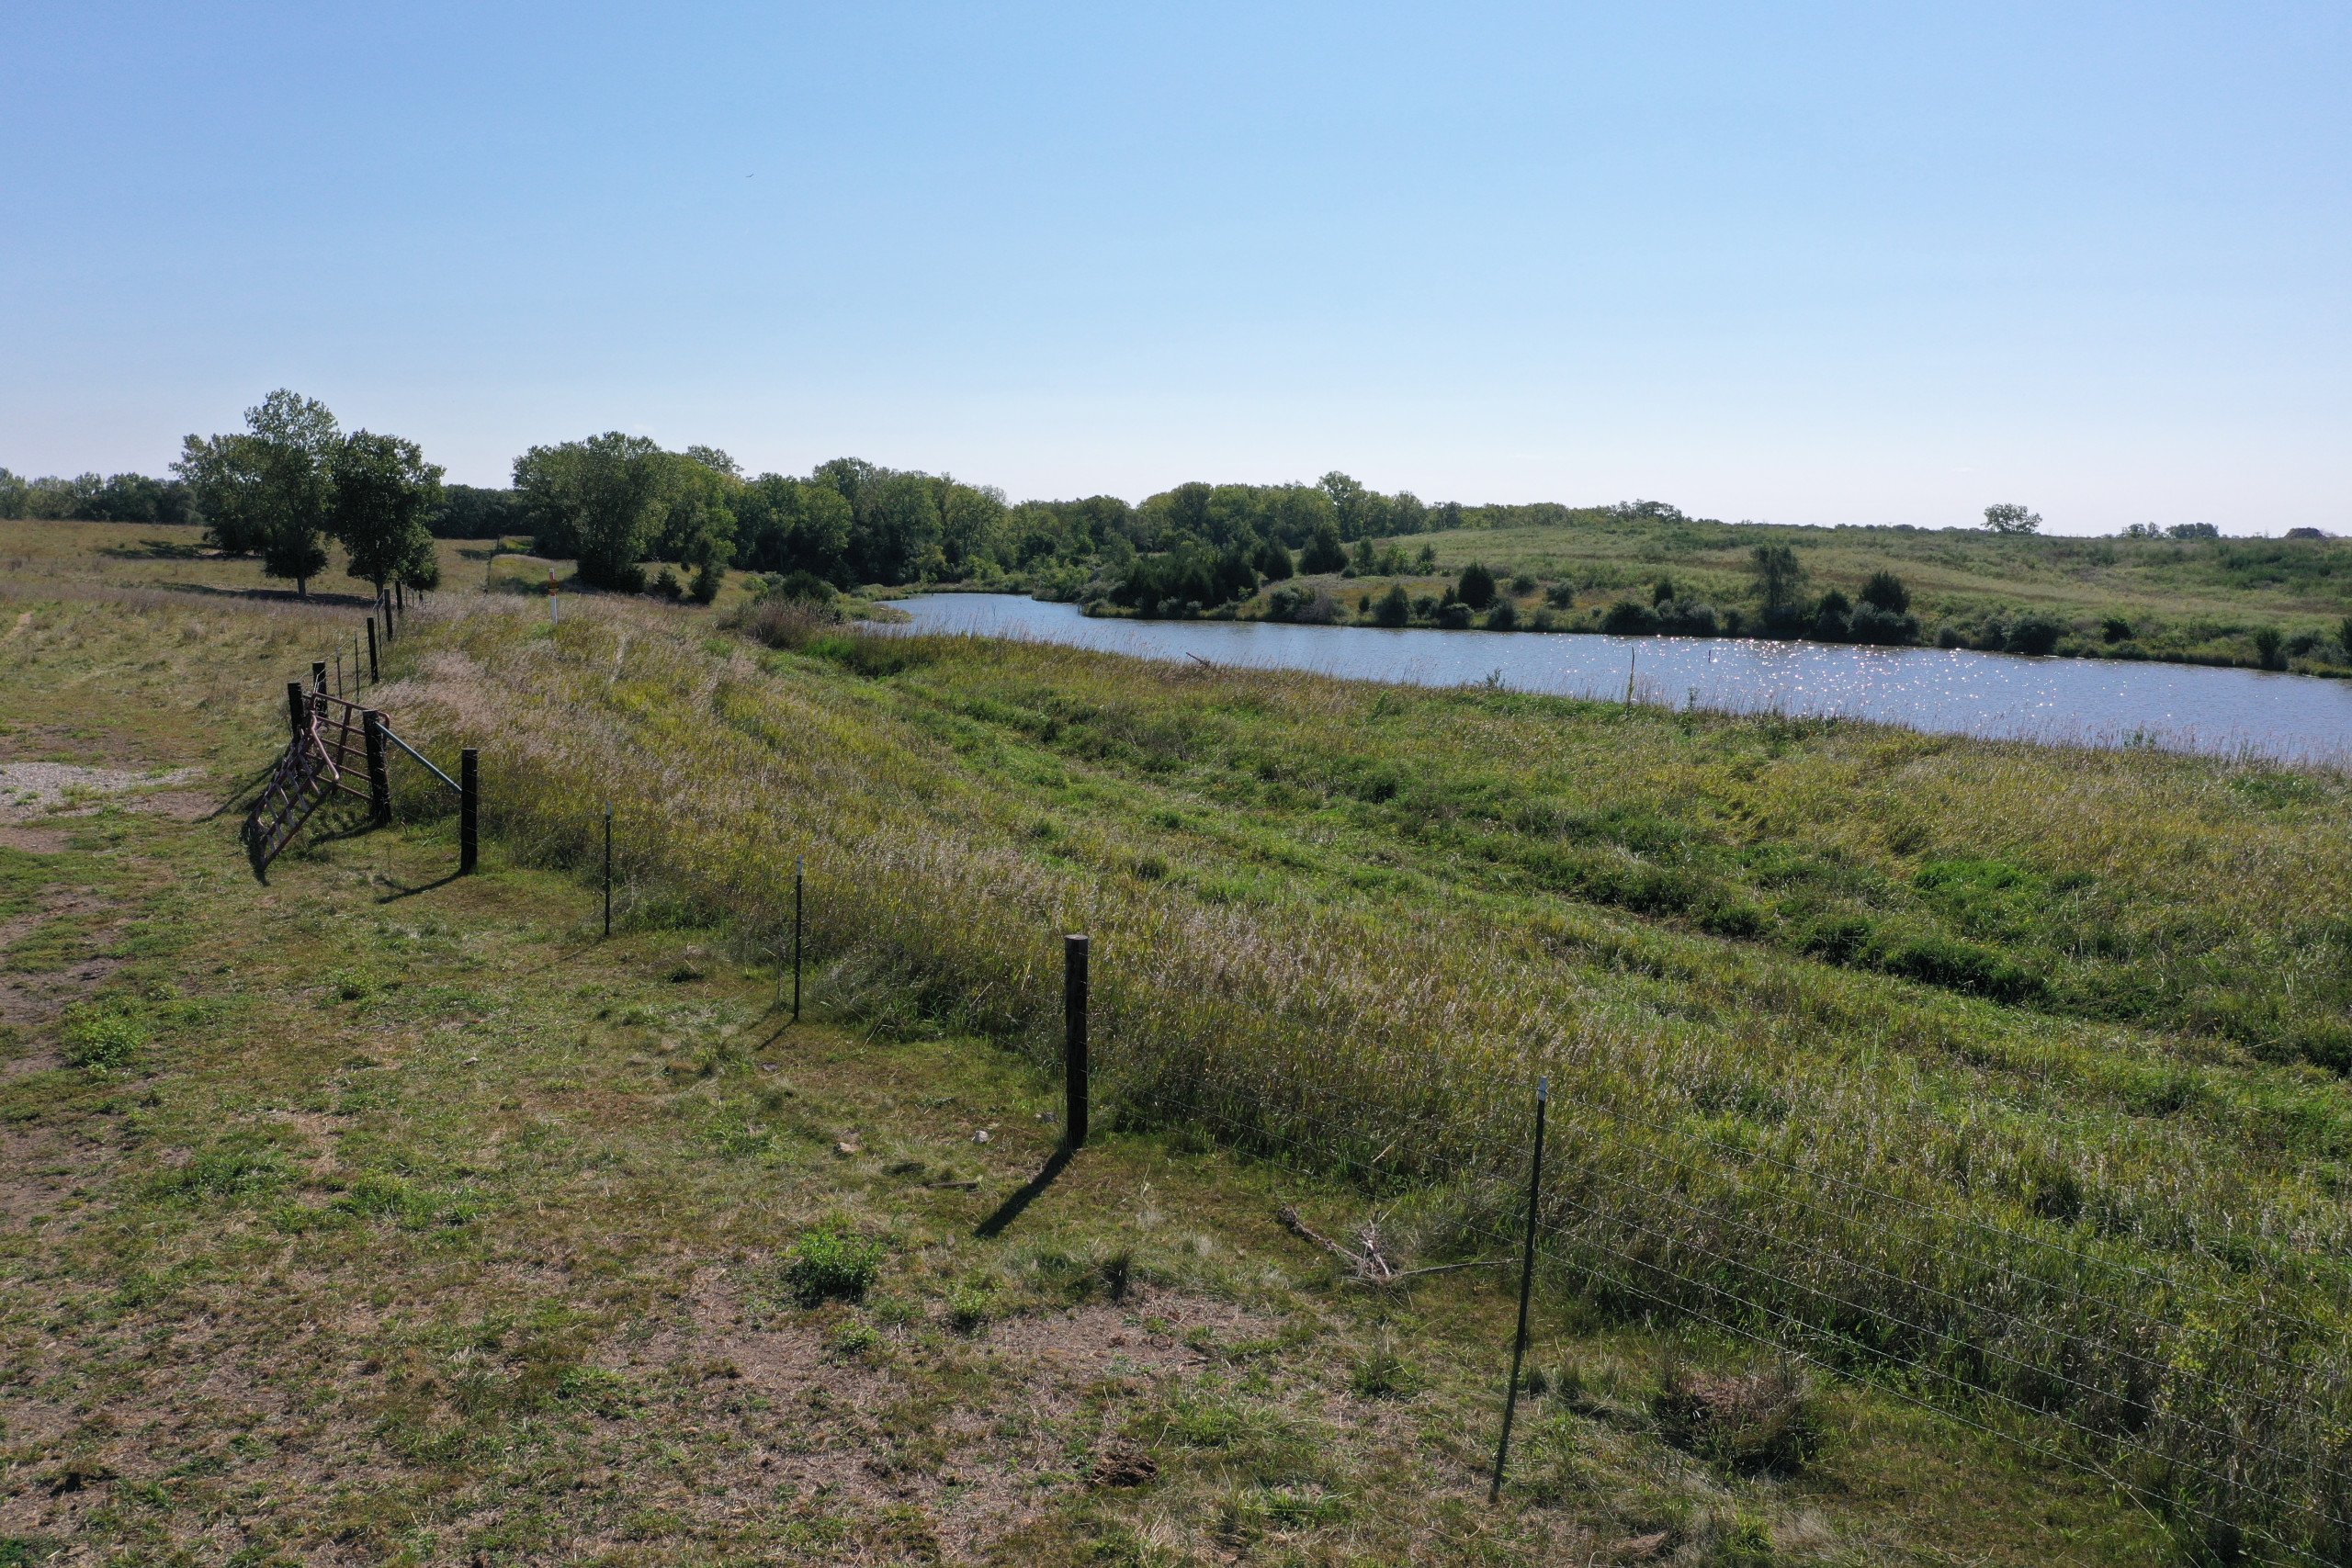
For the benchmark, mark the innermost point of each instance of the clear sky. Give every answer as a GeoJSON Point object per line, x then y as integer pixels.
{"type": "Point", "coordinates": [1809, 263]}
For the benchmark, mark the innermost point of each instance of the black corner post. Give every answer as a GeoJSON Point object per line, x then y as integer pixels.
{"type": "Point", "coordinates": [294, 708]}
{"type": "Point", "coordinates": [375, 670]}
{"type": "Point", "coordinates": [799, 879]}
{"type": "Point", "coordinates": [468, 808]}
{"type": "Point", "coordinates": [1526, 1288]}
{"type": "Point", "coordinates": [380, 777]}
{"type": "Point", "coordinates": [608, 868]}
{"type": "Point", "coordinates": [1074, 1064]}
{"type": "Point", "coordinates": [400, 600]}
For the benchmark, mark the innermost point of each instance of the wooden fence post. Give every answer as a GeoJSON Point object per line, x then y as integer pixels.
{"type": "Point", "coordinates": [374, 672]}
{"type": "Point", "coordinates": [380, 777]}
{"type": "Point", "coordinates": [294, 709]}
{"type": "Point", "coordinates": [1074, 1063]}
{"type": "Point", "coordinates": [469, 804]}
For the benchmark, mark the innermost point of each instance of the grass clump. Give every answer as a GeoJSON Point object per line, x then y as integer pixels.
{"type": "Point", "coordinates": [1383, 1372]}
{"type": "Point", "coordinates": [832, 1263]}
{"type": "Point", "coordinates": [102, 1037]}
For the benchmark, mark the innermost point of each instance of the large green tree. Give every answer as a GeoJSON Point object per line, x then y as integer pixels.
{"type": "Point", "coordinates": [265, 488]}
{"type": "Point", "coordinates": [382, 495]}
{"type": "Point", "coordinates": [601, 501]}
{"type": "Point", "coordinates": [1779, 582]}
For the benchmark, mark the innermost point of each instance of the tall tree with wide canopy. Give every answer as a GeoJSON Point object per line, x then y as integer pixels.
{"type": "Point", "coordinates": [602, 501]}
{"type": "Point", "coordinates": [266, 488]}
{"type": "Point", "coordinates": [382, 495]}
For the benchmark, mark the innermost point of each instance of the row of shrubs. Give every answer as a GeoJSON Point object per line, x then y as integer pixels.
{"type": "Point", "coordinates": [1880, 617]}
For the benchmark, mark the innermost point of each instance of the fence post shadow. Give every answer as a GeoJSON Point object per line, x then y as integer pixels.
{"type": "Point", "coordinates": [1010, 1209]}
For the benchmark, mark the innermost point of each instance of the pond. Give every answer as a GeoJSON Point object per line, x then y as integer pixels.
{"type": "Point", "coordinates": [1996, 696]}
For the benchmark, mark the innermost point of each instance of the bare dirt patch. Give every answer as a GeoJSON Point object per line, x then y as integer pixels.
{"type": "Point", "coordinates": [33, 789]}
{"type": "Point", "coordinates": [35, 841]}
{"type": "Point", "coordinates": [176, 804]}
{"type": "Point", "coordinates": [37, 998]}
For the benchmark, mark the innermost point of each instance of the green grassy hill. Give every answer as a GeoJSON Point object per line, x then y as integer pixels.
{"type": "Point", "coordinates": [2199, 599]}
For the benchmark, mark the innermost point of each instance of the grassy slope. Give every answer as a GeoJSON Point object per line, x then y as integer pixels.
{"type": "Point", "coordinates": [2198, 600]}
{"type": "Point", "coordinates": [1326, 935]}
{"type": "Point", "coordinates": [418, 1227]}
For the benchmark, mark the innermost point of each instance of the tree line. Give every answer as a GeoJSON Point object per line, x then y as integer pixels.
{"type": "Point", "coordinates": [634, 514]}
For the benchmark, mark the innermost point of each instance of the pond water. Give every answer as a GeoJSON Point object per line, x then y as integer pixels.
{"type": "Point", "coordinates": [2079, 701]}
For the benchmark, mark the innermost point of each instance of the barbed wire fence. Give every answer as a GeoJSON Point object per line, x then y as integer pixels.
{"type": "Point", "coordinates": [2238, 1492]}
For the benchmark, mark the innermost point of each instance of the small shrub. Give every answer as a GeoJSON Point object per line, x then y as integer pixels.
{"type": "Point", "coordinates": [971, 1305]}
{"type": "Point", "coordinates": [829, 1263]}
{"type": "Point", "coordinates": [803, 586]}
{"type": "Point", "coordinates": [2270, 649]}
{"type": "Point", "coordinates": [1833, 617]}
{"type": "Point", "coordinates": [2115, 628]}
{"type": "Point", "coordinates": [665, 586]}
{"type": "Point", "coordinates": [1563, 596]}
{"type": "Point", "coordinates": [2036, 635]}
{"type": "Point", "coordinates": [101, 1036]}
{"type": "Point", "coordinates": [1454, 618]}
{"type": "Point", "coordinates": [1885, 591]}
{"type": "Point", "coordinates": [1521, 582]}
{"type": "Point", "coordinates": [1394, 608]}
{"type": "Point", "coordinates": [1503, 617]}
{"type": "Point", "coordinates": [1626, 618]}
{"type": "Point", "coordinates": [1950, 636]}
{"type": "Point", "coordinates": [1686, 618]}
{"type": "Point", "coordinates": [1477, 588]}
{"type": "Point", "coordinates": [1885, 628]}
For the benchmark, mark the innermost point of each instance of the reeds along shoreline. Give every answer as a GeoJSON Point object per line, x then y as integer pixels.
{"type": "Point", "coordinates": [2138, 1235]}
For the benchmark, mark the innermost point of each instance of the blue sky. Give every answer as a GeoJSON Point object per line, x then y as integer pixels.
{"type": "Point", "coordinates": [1810, 263]}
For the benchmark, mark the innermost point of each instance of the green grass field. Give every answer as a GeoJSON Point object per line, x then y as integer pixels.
{"type": "Point", "coordinates": [370, 1216]}
{"type": "Point", "coordinates": [2198, 601]}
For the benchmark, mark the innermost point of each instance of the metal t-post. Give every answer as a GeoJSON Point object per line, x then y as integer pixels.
{"type": "Point", "coordinates": [1526, 1288]}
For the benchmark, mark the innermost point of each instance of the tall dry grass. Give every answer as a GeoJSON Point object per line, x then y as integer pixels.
{"type": "Point", "coordinates": [2141, 1238]}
